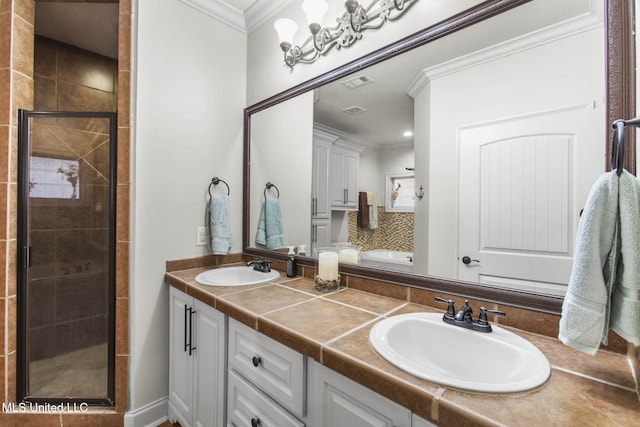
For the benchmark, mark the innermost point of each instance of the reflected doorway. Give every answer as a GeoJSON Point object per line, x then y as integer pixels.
{"type": "Point", "coordinates": [66, 253]}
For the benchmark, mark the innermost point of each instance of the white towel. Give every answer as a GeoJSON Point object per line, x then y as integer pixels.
{"type": "Point", "coordinates": [219, 238]}
{"type": "Point", "coordinates": [584, 321]}
{"type": "Point", "coordinates": [373, 211]}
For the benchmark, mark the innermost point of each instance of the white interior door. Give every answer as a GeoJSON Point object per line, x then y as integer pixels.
{"type": "Point", "coordinates": [522, 186]}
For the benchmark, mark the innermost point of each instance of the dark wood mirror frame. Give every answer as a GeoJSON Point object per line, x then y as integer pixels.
{"type": "Point", "coordinates": [620, 88]}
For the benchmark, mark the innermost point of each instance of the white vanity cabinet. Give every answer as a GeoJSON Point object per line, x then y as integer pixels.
{"type": "Point", "coordinates": [196, 362]}
{"type": "Point", "coordinates": [335, 400]}
{"type": "Point", "coordinates": [267, 380]}
{"type": "Point", "coordinates": [267, 384]}
{"type": "Point", "coordinates": [344, 177]}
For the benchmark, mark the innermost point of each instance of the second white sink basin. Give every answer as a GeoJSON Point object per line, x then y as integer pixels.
{"type": "Point", "coordinates": [423, 345]}
{"type": "Point", "coordinates": [235, 276]}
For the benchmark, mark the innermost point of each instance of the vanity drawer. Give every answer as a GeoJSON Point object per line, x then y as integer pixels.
{"type": "Point", "coordinates": [273, 367]}
{"type": "Point", "coordinates": [248, 406]}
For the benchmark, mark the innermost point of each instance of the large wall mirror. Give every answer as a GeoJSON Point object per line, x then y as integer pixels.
{"type": "Point", "coordinates": [499, 116]}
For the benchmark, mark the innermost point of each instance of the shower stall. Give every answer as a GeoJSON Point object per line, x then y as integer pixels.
{"type": "Point", "coordinates": [66, 257]}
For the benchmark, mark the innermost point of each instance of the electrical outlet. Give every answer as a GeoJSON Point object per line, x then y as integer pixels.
{"type": "Point", "coordinates": [201, 236]}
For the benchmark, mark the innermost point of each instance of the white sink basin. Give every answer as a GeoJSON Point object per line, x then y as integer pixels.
{"type": "Point", "coordinates": [235, 276]}
{"type": "Point", "coordinates": [423, 345]}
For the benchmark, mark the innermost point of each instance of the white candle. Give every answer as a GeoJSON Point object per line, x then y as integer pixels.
{"type": "Point", "coordinates": [328, 266]}
{"type": "Point", "coordinates": [349, 255]}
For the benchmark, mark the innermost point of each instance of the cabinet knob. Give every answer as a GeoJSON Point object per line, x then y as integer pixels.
{"type": "Point", "coordinates": [256, 362]}
{"type": "Point", "coordinates": [255, 422]}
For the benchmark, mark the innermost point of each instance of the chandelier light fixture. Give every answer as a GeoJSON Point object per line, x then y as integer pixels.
{"type": "Point", "coordinates": [348, 30]}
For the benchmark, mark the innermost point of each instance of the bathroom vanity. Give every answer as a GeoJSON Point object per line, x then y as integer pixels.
{"type": "Point", "coordinates": [303, 358]}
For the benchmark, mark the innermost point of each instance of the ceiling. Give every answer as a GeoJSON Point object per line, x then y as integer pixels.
{"type": "Point", "coordinates": [89, 26]}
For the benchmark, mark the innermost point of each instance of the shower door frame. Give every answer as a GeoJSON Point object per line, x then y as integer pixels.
{"type": "Point", "coordinates": [23, 255]}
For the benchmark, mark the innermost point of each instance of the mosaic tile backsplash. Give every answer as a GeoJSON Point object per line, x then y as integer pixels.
{"type": "Point", "coordinates": [394, 232]}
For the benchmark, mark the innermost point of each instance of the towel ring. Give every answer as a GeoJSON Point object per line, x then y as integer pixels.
{"type": "Point", "coordinates": [268, 186]}
{"type": "Point", "coordinates": [216, 181]}
{"type": "Point", "coordinates": [617, 151]}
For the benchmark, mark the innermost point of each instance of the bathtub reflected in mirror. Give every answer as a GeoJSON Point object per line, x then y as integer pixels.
{"type": "Point", "coordinates": [388, 260]}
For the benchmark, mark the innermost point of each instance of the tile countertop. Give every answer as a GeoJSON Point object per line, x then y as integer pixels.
{"type": "Point", "coordinates": [334, 330]}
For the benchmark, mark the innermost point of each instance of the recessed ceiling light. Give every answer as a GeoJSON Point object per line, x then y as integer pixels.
{"type": "Point", "coordinates": [407, 133]}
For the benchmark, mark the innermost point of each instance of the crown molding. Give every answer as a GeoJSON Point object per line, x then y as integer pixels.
{"type": "Point", "coordinates": [342, 138]}
{"type": "Point", "coordinates": [510, 47]}
{"type": "Point", "coordinates": [221, 11]}
{"type": "Point", "coordinates": [262, 10]}
{"type": "Point", "coordinates": [241, 21]}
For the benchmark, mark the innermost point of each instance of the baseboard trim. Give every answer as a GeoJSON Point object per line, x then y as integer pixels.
{"type": "Point", "coordinates": [151, 415]}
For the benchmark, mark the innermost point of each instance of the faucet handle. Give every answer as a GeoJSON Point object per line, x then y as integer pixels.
{"type": "Point", "coordinates": [261, 265]}
{"type": "Point", "coordinates": [451, 310]}
{"type": "Point", "coordinates": [482, 318]}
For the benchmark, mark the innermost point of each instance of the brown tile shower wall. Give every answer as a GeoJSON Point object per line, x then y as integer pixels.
{"type": "Point", "coordinates": [394, 232]}
{"type": "Point", "coordinates": [70, 79]}
{"type": "Point", "coordinates": [17, 91]}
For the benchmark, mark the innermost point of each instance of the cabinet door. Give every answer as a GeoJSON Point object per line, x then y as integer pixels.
{"type": "Point", "coordinates": [338, 187]}
{"type": "Point", "coordinates": [209, 367]}
{"type": "Point", "coordinates": [351, 179]}
{"type": "Point", "coordinates": [339, 401]}
{"type": "Point", "coordinates": [320, 191]}
{"type": "Point", "coordinates": [180, 363]}
{"type": "Point", "coordinates": [344, 179]}
{"type": "Point", "coordinates": [320, 233]}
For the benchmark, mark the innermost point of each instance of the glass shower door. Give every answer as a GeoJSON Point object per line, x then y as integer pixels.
{"type": "Point", "coordinates": [66, 241]}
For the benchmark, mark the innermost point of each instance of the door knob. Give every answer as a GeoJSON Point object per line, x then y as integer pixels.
{"type": "Point", "coordinates": [466, 260]}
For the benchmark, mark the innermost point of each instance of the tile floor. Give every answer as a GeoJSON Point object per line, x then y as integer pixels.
{"type": "Point", "coordinates": [82, 373]}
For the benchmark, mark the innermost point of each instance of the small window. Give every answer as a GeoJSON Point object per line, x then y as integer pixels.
{"type": "Point", "coordinates": [400, 192]}
{"type": "Point", "coordinates": [54, 178]}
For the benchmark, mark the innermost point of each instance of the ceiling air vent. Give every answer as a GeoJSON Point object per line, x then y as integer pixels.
{"type": "Point", "coordinates": [354, 110]}
{"type": "Point", "coordinates": [357, 82]}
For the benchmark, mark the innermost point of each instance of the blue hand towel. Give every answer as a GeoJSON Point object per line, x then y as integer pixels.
{"type": "Point", "coordinates": [604, 287]}
{"type": "Point", "coordinates": [219, 239]}
{"type": "Point", "coordinates": [625, 298]}
{"type": "Point", "coordinates": [270, 231]}
{"type": "Point", "coordinates": [585, 310]}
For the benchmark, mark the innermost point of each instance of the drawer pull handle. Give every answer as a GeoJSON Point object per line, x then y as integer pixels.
{"type": "Point", "coordinates": [256, 362]}
{"type": "Point", "coordinates": [255, 422]}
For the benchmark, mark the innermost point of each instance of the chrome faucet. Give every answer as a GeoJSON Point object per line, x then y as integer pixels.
{"type": "Point", "coordinates": [260, 265]}
{"type": "Point", "coordinates": [464, 316]}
